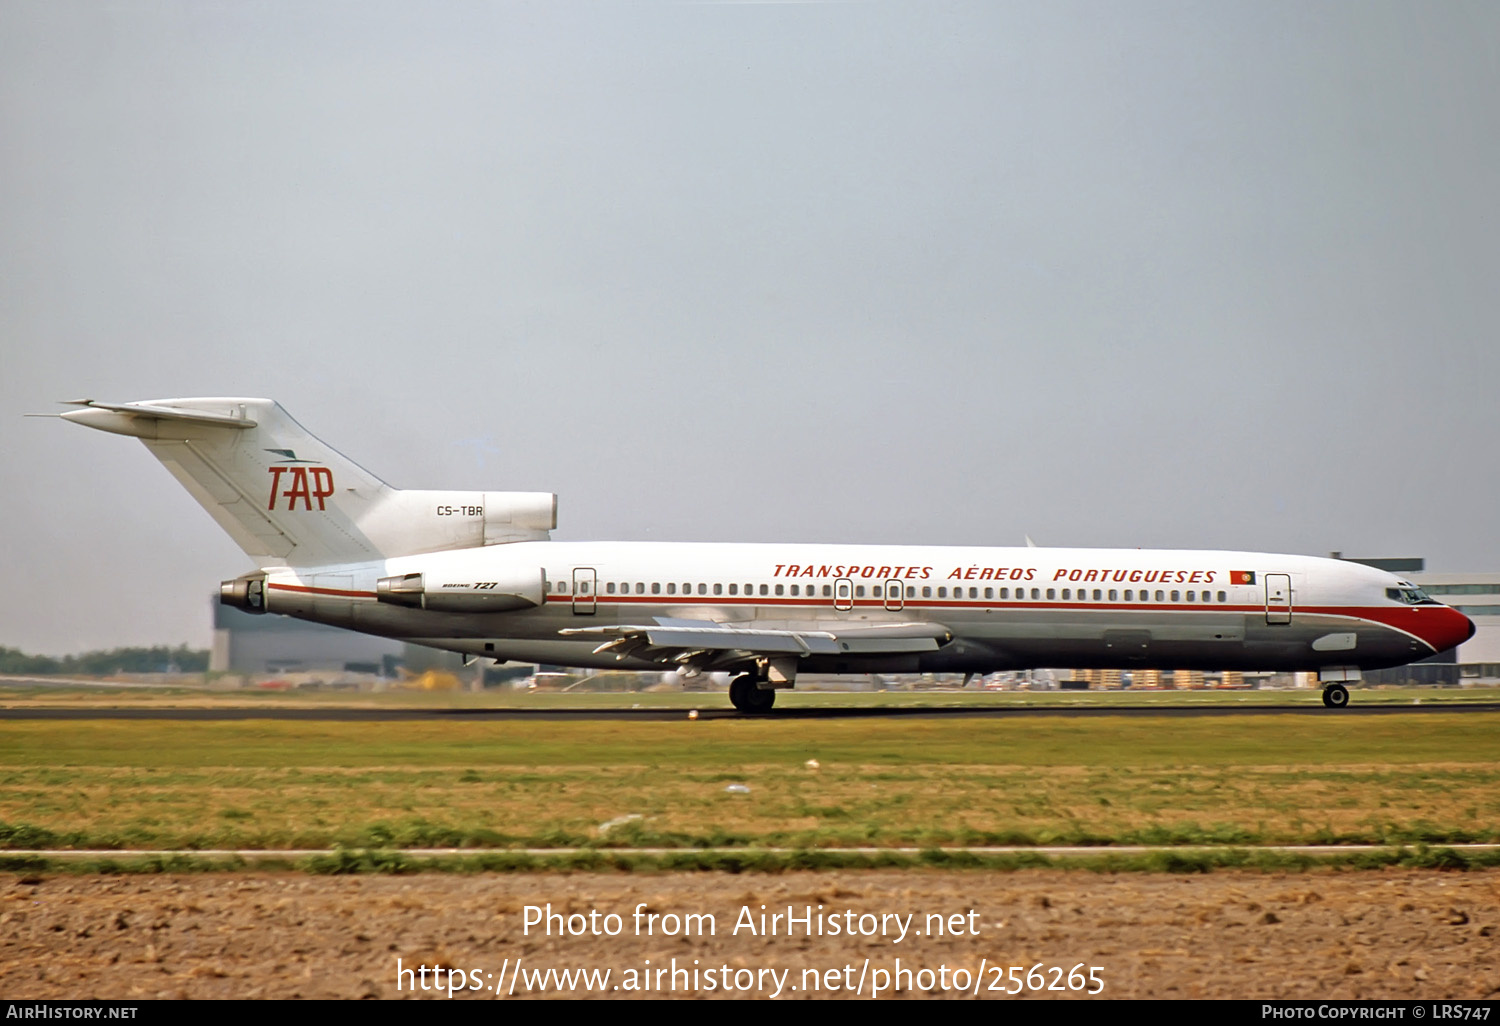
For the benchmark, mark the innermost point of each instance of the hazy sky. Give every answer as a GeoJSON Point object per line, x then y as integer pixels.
{"type": "Point", "coordinates": [1207, 274]}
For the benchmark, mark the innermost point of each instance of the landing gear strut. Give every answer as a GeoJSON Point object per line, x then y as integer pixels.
{"type": "Point", "coordinates": [1335, 696]}
{"type": "Point", "coordinates": [750, 697]}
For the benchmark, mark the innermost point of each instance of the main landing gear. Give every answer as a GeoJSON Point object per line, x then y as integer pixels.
{"type": "Point", "coordinates": [1335, 696]}
{"type": "Point", "coordinates": [748, 696]}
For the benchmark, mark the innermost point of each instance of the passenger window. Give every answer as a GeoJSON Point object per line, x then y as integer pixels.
{"type": "Point", "coordinates": [1005, 593]}
{"type": "Point", "coordinates": [911, 591]}
{"type": "Point", "coordinates": [765, 589]}
{"type": "Point", "coordinates": [1222, 597]}
{"type": "Point", "coordinates": [989, 593]}
{"type": "Point", "coordinates": [610, 588]}
{"type": "Point", "coordinates": [1129, 595]}
{"type": "Point", "coordinates": [827, 590]}
{"type": "Point", "coordinates": [702, 589]}
{"type": "Point", "coordinates": [1098, 595]}
{"type": "Point", "coordinates": [1192, 596]}
{"type": "Point", "coordinates": [734, 589]}
{"type": "Point", "coordinates": [1067, 593]}
{"type": "Point", "coordinates": [942, 593]}
{"type": "Point", "coordinates": [973, 593]}
{"type": "Point", "coordinates": [718, 589]}
{"type": "Point", "coordinates": [926, 592]}
{"type": "Point", "coordinates": [1113, 594]}
{"type": "Point", "coordinates": [640, 587]}
{"type": "Point", "coordinates": [656, 587]}
{"type": "Point", "coordinates": [795, 591]}
{"type": "Point", "coordinates": [1176, 596]}
{"type": "Point", "coordinates": [779, 589]}
{"type": "Point", "coordinates": [1051, 594]}
{"type": "Point", "coordinates": [1160, 597]}
{"type": "Point", "coordinates": [672, 588]}
{"type": "Point", "coordinates": [859, 591]}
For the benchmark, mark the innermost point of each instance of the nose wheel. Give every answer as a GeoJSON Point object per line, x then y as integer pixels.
{"type": "Point", "coordinates": [1335, 696]}
{"type": "Point", "coordinates": [748, 697]}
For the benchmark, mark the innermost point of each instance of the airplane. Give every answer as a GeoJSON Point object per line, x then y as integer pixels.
{"type": "Point", "coordinates": [477, 573]}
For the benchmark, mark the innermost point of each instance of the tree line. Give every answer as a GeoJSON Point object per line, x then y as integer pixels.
{"type": "Point", "coordinates": [158, 659]}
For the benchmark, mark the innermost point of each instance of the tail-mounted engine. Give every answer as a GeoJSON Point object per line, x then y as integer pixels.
{"type": "Point", "coordinates": [247, 592]}
{"type": "Point", "coordinates": [515, 589]}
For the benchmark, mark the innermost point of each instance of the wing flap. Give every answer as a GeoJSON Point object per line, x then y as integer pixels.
{"type": "Point", "coordinates": [676, 636]}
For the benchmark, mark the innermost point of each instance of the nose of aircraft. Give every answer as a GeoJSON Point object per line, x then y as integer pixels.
{"type": "Point", "coordinates": [1446, 628]}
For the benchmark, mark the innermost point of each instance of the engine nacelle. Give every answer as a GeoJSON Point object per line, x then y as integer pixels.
{"type": "Point", "coordinates": [518, 516]}
{"type": "Point", "coordinates": [247, 592]}
{"type": "Point", "coordinates": [516, 589]}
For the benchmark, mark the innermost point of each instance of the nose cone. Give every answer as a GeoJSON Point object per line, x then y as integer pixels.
{"type": "Point", "coordinates": [1443, 627]}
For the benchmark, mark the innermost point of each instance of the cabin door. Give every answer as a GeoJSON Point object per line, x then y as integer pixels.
{"type": "Point", "coordinates": [1278, 598]}
{"type": "Point", "coordinates": [585, 587]}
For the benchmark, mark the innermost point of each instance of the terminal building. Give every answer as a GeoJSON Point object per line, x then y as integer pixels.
{"type": "Point", "coordinates": [259, 644]}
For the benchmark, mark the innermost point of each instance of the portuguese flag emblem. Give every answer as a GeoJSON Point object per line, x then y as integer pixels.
{"type": "Point", "coordinates": [1242, 577]}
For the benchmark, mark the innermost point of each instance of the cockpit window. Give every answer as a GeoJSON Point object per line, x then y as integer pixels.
{"type": "Point", "coordinates": [1409, 594]}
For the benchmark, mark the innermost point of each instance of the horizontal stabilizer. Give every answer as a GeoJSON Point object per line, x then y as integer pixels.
{"type": "Point", "coordinates": [236, 418]}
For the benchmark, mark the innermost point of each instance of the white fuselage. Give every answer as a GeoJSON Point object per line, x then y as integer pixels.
{"type": "Point", "coordinates": [1006, 608]}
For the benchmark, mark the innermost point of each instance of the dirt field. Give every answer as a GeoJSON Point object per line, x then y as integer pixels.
{"type": "Point", "coordinates": [1394, 934]}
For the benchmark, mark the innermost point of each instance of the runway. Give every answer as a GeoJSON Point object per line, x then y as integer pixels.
{"type": "Point", "coordinates": [354, 715]}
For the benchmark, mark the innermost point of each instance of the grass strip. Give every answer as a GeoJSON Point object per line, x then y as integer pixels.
{"type": "Point", "coordinates": [393, 862]}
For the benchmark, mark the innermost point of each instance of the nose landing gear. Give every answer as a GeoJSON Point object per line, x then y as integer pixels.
{"type": "Point", "coordinates": [1335, 696]}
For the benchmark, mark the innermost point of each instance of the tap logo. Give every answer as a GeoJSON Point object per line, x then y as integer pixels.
{"type": "Point", "coordinates": [304, 482]}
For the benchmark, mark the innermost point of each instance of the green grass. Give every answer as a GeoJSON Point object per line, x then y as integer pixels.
{"type": "Point", "coordinates": [1431, 779]}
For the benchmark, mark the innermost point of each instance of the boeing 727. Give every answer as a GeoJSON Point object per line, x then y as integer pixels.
{"type": "Point", "coordinates": [477, 573]}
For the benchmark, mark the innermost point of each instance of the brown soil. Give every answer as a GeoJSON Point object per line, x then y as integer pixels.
{"type": "Point", "coordinates": [1393, 934]}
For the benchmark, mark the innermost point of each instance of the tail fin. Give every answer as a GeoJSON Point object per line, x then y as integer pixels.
{"type": "Point", "coordinates": [288, 499]}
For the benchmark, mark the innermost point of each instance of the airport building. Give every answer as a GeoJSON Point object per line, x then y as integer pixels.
{"type": "Point", "coordinates": [264, 645]}
{"type": "Point", "coordinates": [258, 644]}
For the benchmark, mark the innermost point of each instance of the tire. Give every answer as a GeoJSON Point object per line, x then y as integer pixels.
{"type": "Point", "coordinates": [1335, 696]}
{"type": "Point", "coordinates": [747, 697]}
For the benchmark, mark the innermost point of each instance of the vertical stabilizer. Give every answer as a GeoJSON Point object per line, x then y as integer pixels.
{"type": "Point", "coordinates": [289, 499]}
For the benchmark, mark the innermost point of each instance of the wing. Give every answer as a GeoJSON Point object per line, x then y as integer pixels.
{"type": "Point", "coordinates": [703, 642]}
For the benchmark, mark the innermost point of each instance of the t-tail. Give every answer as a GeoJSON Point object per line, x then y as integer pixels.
{"type": "Point", "coordinates": [289, 499]}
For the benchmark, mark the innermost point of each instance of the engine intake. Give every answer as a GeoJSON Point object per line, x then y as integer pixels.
{"type": "Point", "coordinates": [247, 592]}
